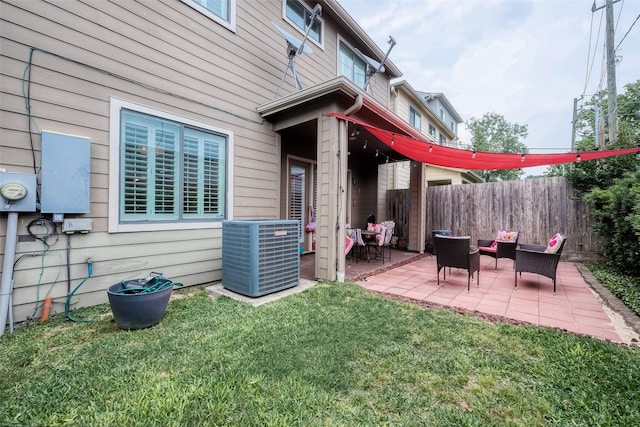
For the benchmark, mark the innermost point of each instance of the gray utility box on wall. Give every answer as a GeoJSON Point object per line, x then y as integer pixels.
{"type": "Point", "coordinates": [261, 256]}
{"type": "Point", "coordinates": [66, 161]}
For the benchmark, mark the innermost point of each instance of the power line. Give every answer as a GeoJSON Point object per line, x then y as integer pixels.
{"type": "Point", "coordinates": [590, 67]}
{"type": "Point", "coordinates": [627, 33]}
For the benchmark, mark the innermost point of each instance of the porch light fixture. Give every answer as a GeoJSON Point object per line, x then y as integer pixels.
{"type": "Point", "coordinates": [522, 158]}
{"type": "Point", "coordinates": [364, 147]}
{"type": "Point", "coordinates": [392, 135]}
{"type": "Point", "coordinates": [376, 152]}
{"type": "Point", "coordinates": [430, 146]}
{"type": "Point", "coordinates": [473, 154]}
{"type": "Point", "coordinates": [578, 156]}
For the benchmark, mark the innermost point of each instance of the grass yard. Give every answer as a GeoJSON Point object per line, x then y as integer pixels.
{"type": "Point", "coordinates": [333, 355]}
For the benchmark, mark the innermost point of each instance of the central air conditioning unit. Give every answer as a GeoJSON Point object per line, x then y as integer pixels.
{"type": "Point", "coordinates": [260, 256]}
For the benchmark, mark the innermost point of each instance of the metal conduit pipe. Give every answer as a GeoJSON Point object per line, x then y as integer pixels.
{"type": "Point", "coordinates": [7, 269]}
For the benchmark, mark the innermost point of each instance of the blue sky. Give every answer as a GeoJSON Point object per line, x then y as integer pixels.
{"type": "Point", "coordinates": [524, 59]}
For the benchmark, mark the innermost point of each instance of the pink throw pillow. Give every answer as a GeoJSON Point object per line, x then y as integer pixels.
{"type": "Point", "coordinates": [554, 244]}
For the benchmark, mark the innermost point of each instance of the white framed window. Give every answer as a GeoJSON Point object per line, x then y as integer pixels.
{"type": "Point", "coordinates": [221, 11]}
{"type": "Point", "coordinates": [442, 115]}
{"type": "Point", "coordinates": [432, 131]}
{"type": "Point", "coordinates": [350, 65]}
{"type": "Point", "coordinates": [166, 172]}
{"type": "Point", "coordinates": [415, 119]}
{"type": "Point", "coordinates": [299, 16]}
{"type": "Point", "coordinates": [443, 140]}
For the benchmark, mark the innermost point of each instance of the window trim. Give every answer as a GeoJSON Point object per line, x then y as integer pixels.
{"type": "Point", "coordinates": [413, 113]}
{"type": "Point", "coordinates": [302, 32]}
{"type": "Point", "coordinates": [114, 225]}
{"type": "Point", "coordinates": [230, 24]}
{"type": "Point", "coordinates": [434, 133]}
{"type": "Point", "coordinates": [351, 48]}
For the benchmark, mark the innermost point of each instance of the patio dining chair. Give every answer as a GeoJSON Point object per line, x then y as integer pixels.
{"type": "Point", "coordinates": [359, 245]}
{"type": "Point", "coordinates": [456, 252]}
{"type": "Point", "coordinates": [539, 259]}
{"type": "Point", "coordinates": [375, 245]}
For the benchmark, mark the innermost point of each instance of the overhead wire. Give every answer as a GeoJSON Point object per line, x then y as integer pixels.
{"type": "Point", "coordinates": [627, 33]}
{"type": "Point", "coordinates": [589, 59]}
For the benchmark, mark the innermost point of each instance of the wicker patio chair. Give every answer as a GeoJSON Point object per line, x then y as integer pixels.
{"type": "Point", "coordinates": [534, 259]}
{"type": "Point", "coordinates": [456, 252]}
{"type": "Point", "coordinates": [503, 248]}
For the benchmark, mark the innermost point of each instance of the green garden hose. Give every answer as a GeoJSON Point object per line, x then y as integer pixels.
{"type": "Point", "coordinates": [156, 283]}
{"type": "Point", "coordinates": [68, 302]}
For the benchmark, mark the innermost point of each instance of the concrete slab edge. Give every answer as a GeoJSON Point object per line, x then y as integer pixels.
{"type": "Point", "coordinates": [219, 290]}
{"type": "Point", "coordinates": [631, 319]}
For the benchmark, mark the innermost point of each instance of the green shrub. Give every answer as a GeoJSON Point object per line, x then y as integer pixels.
{"type": "Point", "coordinates": [616, 214]}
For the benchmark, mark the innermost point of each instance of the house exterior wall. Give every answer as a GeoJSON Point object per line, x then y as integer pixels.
{"type": "Point", "coordinates": [165, 56]}
{"type": "Point", "coordinates": [402, 103]}
{"type": "Point", "coordinates": [443, 114]}
{"type": "Point", "coordinates": [439, 176]}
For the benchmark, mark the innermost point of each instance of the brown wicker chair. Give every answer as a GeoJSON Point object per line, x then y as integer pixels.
{"type": "Point", "coordinates": [534, 259]}
{"type": "Point", "coordinates": [501, 250]}
{"type": "Point", "coordinates": [456, 252]}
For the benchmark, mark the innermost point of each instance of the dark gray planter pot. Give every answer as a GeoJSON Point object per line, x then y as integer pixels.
{"type": "Point", "coordinates": [137, 310]}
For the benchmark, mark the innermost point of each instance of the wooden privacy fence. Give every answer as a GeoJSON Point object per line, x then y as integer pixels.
{"type": "Point", "coordinates": [537, 208]}
{"type": "Point", "coordinates": [398, 204]}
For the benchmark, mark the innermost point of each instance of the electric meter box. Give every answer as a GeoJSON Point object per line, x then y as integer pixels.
{"type": "Point", "coordinates": [18, 192]}
{"type": "Point", "coordinates": [66, 162]}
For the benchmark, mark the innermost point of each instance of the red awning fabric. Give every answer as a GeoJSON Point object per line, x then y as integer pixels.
{"type": "Point", "coordinates": [434, 154]}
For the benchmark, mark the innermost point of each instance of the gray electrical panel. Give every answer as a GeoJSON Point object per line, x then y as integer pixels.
{"type": "Point", "coordinates": [66, 167]}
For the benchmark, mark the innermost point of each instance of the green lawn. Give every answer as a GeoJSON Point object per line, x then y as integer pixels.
{"type": "Point", "coordinates": [333, 355]}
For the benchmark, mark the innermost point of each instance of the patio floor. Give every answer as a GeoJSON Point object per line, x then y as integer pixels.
{"type": "Point", "coordinates": [574, 308]}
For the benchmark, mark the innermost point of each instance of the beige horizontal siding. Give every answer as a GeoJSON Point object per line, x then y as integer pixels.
{"type": "Point", "coordinates": [169, 57]}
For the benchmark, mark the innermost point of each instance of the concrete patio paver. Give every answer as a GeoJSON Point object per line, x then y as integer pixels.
{"type": "Point", "coordinates": [574, 307]}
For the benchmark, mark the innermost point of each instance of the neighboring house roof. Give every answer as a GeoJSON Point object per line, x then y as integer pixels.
{"type": "Point", "coordinates": [417, 97]}
{"type": "Point", "coordinates": [368, 46]}
{"type": "Point", "coordinates": [428, 96]}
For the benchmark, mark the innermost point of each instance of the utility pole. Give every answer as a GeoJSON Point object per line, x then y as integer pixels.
{"type": "Point", "coordinates": [611, 70]}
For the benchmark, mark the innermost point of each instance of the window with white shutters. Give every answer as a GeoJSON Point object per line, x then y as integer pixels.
{"type": "Point", "coordinates": [170, 171]}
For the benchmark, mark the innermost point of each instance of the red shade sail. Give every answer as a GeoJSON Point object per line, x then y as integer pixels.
{"type": "Point", "coordinates": [434, 154]}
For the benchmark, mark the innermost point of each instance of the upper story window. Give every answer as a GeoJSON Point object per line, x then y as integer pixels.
{"type": "Point", "coordinates": [442, 115]}
{"type": "Point", "coordinates": [166, 171]}
{"type": "Point", "coordinates": [414, 118]}
{"type": "Point", "coordinates": [351, 66]}
{"type": "Point", "coordinates": [221, 11]}
{"type": "Point", "coordinates": [453, 126]}
{"type": "Point", "coordinates": [432, 131]}
{"type": "Point", "coordinates": [300, 16]}
{"type": "Point", "coordinates": [443, 140]}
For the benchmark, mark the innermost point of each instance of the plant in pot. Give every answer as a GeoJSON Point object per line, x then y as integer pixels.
{"type": "Point", "coordinates": [140, 303]}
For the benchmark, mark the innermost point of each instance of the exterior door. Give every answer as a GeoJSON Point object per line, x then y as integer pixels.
{"type": "Point", "coordinates": [301, 199]}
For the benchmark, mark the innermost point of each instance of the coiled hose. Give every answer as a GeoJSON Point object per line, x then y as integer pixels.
{"type": "Point", "coordinates": [152, 284]}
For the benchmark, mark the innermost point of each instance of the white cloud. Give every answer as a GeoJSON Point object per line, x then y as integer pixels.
{"type": "Point", "coordinates": [526, 60]}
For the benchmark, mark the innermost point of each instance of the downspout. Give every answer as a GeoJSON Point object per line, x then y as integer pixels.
{"type": "Point", "coordinates": [340, 266]}
{"type": "Point", "coordinates": [355, 107]}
